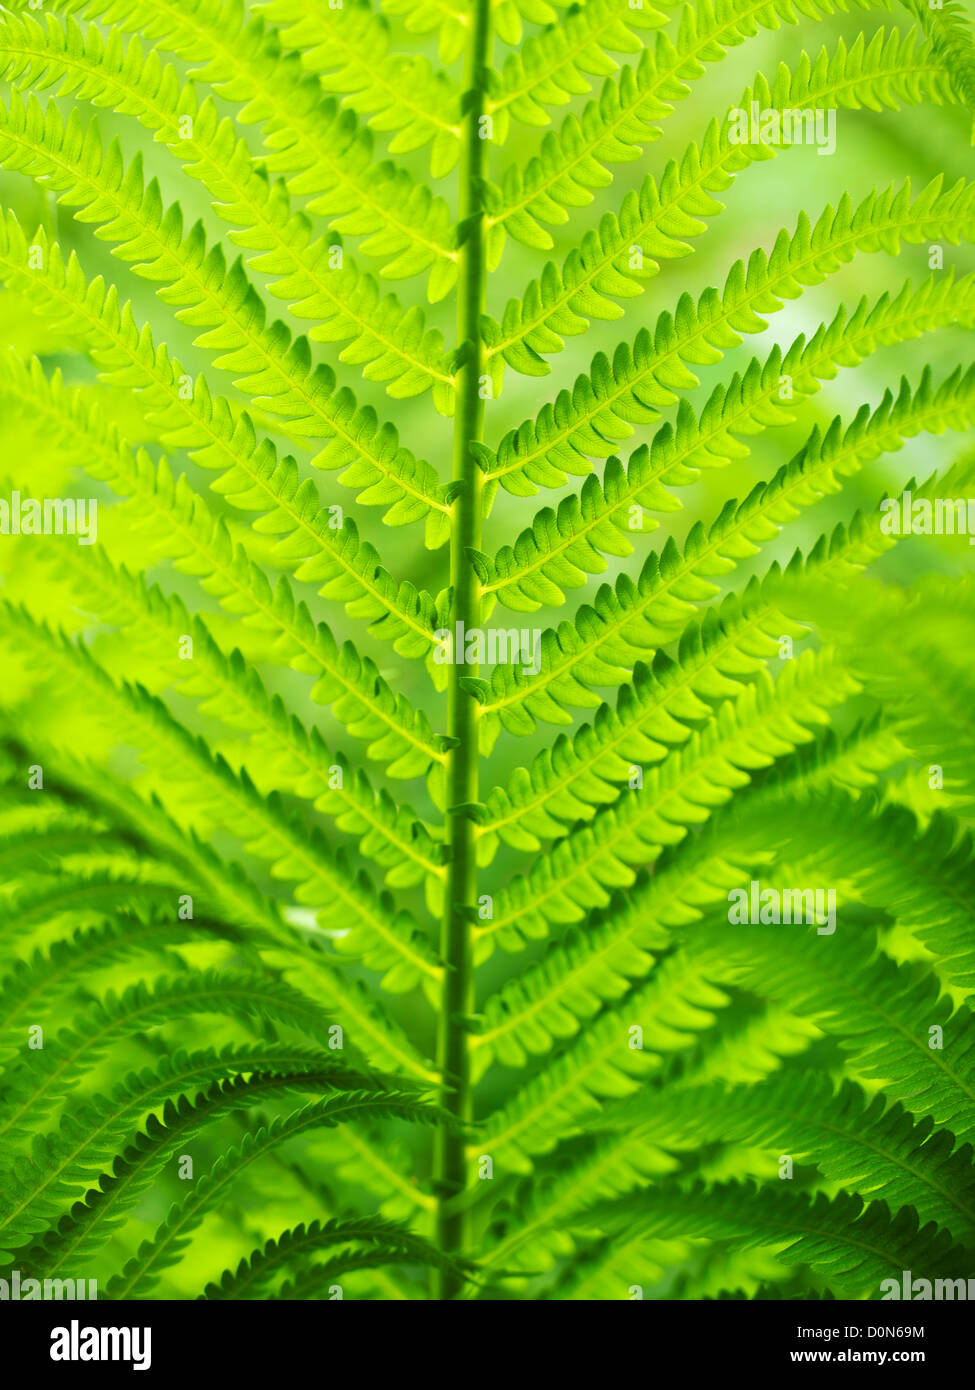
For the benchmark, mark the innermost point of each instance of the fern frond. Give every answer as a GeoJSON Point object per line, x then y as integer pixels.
{"type": "Point", "coordinates": [205, 895]}
{"type": "Point", "coordinates": [552, 67]}
{"type": "Point", "coordinates": [266, 363]}
{"type": "Point", "coordinates": [691, 1269]}
{"type": "Point", "coordinates": [538, 1215]}
{"type": "Point", "coordinates": [887, 71]}
{"type": "Point", "coordinates": [61, 839]}
{"type": "Point", "coordinates": [219, 436]}
{"type": "Point", "coordinates": [760, 722]}
{"type": "Point", "coordinates": [924, 881]}
{"type": "Point", "coordinates": [882, 1012]}
{"type": "Point", "coordinates": [562, 547]}
{"type": "Point", "coordinates": [953, 38]}
{"type": "Point", "coordinates": [348, 49]}
{"type": "Point", "coordinates": [95, 896]}
{"type": "Point", "coordinates": [530, 1226]}
{"type": "Point", "coordinates": [91, 1221]}
{"type": "Point", "coordinates": [590, 968]}
{"type": "Point", "coordinates": [319, 144]}
{"type": "Point", "coordinates": [55, 1171]}
{"type": "Point", "coordinates": [448, 19]}
{"type": "Point", "coordinates": [285, 755]}
{"type": "Point", "coordinates": [33, 1086]}
{"type": "Point", "coordinates": [645, 378]}
{"type": "Point", "coordinates": [278, 1255]}
{"type": "Point", "coordinates": [346, 304]}
{"type": "Point", "coordinates": [857, 1244]}
{"type": "Point", "coordinates": [862, 1142]}
{"type": "Point", "coordinates": [909, 669]}
{"type": "Point", "coordinates": [593, 859]}
{"type": "Point", "coordinates": [224, 889]}
{"type": "Point", "coordinates": [579, 974]}
{"type": "Point", "coordinates": [608, 637]}
{"type": "Point", "coordinates": [155, 1255]}
{"type": "Point", "coordinates": [389, 940]}
{"type": "Point", "coordinates": [350, 684]}
{"type": "Point", "coordinates": [574, 876]}
{"type": "Point", "coordinates": [676, 1001]}
{"type": "Point", "coordinates": [47, 974]}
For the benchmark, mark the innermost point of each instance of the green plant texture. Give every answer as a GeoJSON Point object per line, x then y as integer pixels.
{"type": "Point", "coordinates": [486, 742]}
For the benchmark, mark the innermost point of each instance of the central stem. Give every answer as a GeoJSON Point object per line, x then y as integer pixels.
{"type": "Point", "coordinates": [462, 779]}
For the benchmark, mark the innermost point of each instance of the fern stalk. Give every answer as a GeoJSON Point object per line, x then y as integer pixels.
{"type": "Point", "coordinates": [462, 777]}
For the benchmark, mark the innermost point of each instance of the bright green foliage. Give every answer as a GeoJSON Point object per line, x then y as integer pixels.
{"type": "Point", "coordinates": [338, 953]}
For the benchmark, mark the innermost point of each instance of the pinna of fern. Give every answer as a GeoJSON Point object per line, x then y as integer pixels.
{"type": "Point", "coordinates": [356, 940]}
